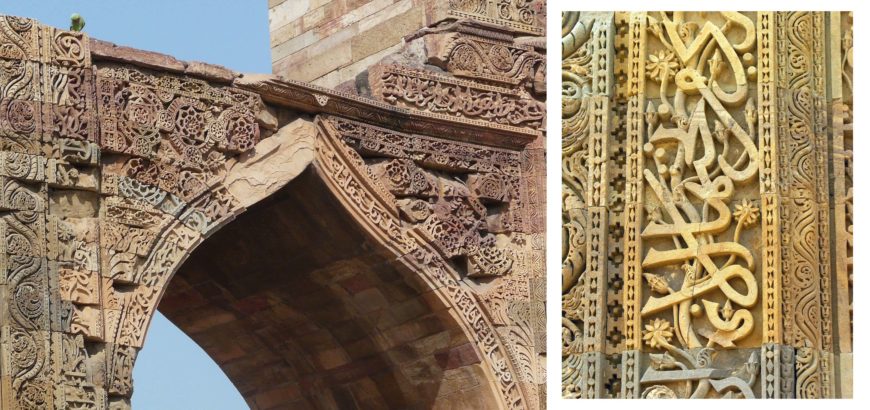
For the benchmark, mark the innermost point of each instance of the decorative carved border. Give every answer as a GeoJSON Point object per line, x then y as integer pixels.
{"type": "Point", "coordinates": [342, 168]}
{"type": "Point", "coordinates": [444, 97]}
{"type": "Point", "coordinates": [518, 15]}
{"type": "Point", "coordinates": [802, 121]}
{"type": "Point", "coordinates": [474, 56]}
{"type": "Point", "coordinates": [318, 100]}
{"type": "Point", "coordinates": [634, 181]}
{"type": "Point", "coordinates": [768, 180]}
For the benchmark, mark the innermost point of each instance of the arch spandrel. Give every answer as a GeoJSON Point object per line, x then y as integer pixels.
{"type": "Point", "coordinates": [117, 166]}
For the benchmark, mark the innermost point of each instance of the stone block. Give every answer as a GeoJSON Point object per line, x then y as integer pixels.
{"type": "Point", "coordinates": [332, 358]}
{"type": "Point", "coordinates": [331, 40]}
{"type": "Point", "coordinates": [361, 348]}
{"type": "Point", "coordinates": [360, 9]}
{"type": "Point", "coordinates": [325, 13]}
{"type": "Point", "coordinates": [459, 356]}
{"type": "Point", "coordinates": [211, 72]}
{"type": "Point", "coordinates": [387, 13]}
{"type": "Point", "coordinates": [293, 45]}
{"type": "Point", "coordinates": [149, 59]}
{"type": "Point", "coordinates": [286, 12]}
{"type": "Point", "coordinates": [284, 33]}
{"type": "Point", "coordinates": [280, 396]}
{"type": "Point", "coordinates": [385, 34]}
{"type": "Point", "coordinates": [356, 284]}
{"type": "Point", "coordinates": [370, 300]}
{"type": "Point", "coordinates": [315, 66]}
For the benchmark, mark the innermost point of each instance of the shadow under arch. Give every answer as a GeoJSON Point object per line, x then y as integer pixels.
{"type": "Point", "coordinates": [301, 309]}
{"type": "Point", "coordinates": [316, 297]}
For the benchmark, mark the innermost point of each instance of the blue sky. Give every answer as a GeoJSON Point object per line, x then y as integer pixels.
{"type": "Point", "coordinates": [172, 372]}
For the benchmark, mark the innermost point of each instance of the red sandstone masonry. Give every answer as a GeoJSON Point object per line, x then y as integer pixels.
{"type": "Point", "coordinates": [266, 335]}
{"type": "Point", "coordinates": [109, 51]}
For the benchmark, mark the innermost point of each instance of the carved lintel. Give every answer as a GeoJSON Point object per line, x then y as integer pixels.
{"type": "Point", "coordinates": [447, 98]}
{"type": "Point", "coordinates": [483, 58]}
{"type": "Point", "coordinates": [301, 96]}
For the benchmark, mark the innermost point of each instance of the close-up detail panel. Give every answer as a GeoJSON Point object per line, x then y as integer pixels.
{"type": "Point", "coordinates": [706, 205]}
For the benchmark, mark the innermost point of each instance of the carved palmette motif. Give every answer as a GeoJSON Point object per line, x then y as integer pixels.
{"type": "Point", "coordinates": [463, 219]}
{"type": "Point", "coordinates": [521, 15]}
{"type": "Point", "coordinates": [487, 59]}
{"type": "Point", "coordinates": [730, 286]}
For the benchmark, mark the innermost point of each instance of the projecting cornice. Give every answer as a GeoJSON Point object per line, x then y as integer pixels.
{"type": "Point", "coordinates": [313, 99]}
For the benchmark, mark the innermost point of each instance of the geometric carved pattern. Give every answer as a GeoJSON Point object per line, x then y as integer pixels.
{"type": "Point", "coordinates": [443, 96]}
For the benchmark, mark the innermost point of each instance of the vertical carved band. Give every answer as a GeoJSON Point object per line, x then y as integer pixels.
{"type": "Point", "coordinates": [803, 158]}
{"type": "Point", "coordinates": [596, 202]}
{"type": "Point", "coordinates": [736, 259]}
{"type": "Point", "coordinates": [698, 133]}
{"type": "Point", "coordinates": [771, 263]}
{"type": "Point", "coordinates": [840, 70]}
{"type": "Point", "coordinates": [586, 99]}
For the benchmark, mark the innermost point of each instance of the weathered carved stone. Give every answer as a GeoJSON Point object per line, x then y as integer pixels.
{"type": "Point", "coordinates": [720, 189]}
{"type": "Point", "coordinates": [117, 165]}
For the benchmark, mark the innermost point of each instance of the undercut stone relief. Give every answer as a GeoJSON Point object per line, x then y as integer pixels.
{"type": "Point", "coordinates": [469, 54]}
{"type": "Point", "coordinates": [116, 165]}
{"type": "Point", "coordinates": [723, 279]}
{"type": "Point", "coordinates": [521, 15]}
{"type": "Point", "coordinates": [443, 96]}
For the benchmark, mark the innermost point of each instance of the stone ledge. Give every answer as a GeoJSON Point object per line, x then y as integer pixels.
{"type": "Point", "coordinates": [313, 99]}
{"type": "Point", "coordinates": [111, 51]}
{"type": "Point", "coordinates": [104, 50]}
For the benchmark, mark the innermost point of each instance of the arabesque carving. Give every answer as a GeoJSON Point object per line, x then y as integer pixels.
{"type": "Point", "coordinates": [521, 15]}
{"type": "Point", "coordinates": [726, 266]}
{"type": "Point", "coordinates": [443, 96]}
{"type": "Point", "coordinates": [116, 164]}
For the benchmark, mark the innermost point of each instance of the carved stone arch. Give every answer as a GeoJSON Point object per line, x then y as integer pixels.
{"type": "Point", "coordinates": [118, 164]}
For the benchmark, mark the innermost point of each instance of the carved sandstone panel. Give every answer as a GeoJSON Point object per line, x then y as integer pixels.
{"type": "Point", "coordinates": [444, 96]}
{"type": "Point", "coordinates": [115, 164]}
{"type": "Point", "coordinates": [727, 259]}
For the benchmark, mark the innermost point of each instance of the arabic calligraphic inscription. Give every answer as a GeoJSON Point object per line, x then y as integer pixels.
{"type": "Point", "coordinates": [707, 206]}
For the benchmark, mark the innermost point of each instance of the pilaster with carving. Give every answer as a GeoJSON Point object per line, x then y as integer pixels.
{"type": "Point", "coordinates": [587, 91]}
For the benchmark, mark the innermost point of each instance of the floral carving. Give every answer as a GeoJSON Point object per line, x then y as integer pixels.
{"type": "Point", "coordinates": [444, 96]}
{"type": "Point", "coordinates": [661, 66]}
{"type": "Point", "coordinates": [112, 171]}
{"type": "Point", "coordinates": [733, 131]}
